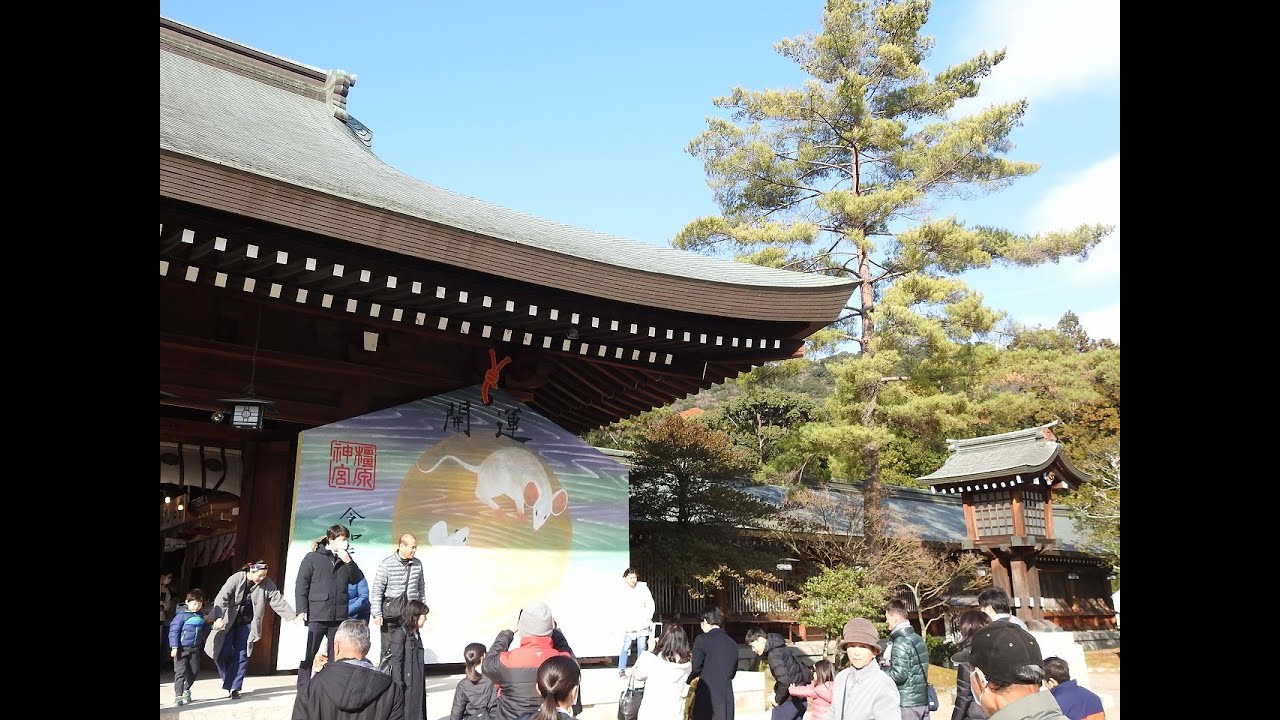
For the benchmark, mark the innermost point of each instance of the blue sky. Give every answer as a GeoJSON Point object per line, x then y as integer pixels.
{"type": "Point", "coordinates": [580, 112]}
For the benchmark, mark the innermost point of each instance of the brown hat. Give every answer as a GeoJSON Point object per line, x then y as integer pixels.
{"type": "Point", "coordinates": [862, 632]}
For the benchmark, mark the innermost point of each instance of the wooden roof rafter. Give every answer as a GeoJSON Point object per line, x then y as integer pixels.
{"type": "Point", "coordinates": [662, 387]}
{"type": "Point", "coordinates": [568, 411]}
{"type": "Point", "coordinates": [634, 382]}
{"type": "Point", "coordinates": [576, 397]}
{"type": "Point", "coordinates": [365, 277]}
{"type": "Point", "coordinates": [370, 311]}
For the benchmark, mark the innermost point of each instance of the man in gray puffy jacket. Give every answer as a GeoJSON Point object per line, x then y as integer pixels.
{"type": "Point", "coordinates": [397, 580]}
{"type": "Point", "coordinates": [908, 662]}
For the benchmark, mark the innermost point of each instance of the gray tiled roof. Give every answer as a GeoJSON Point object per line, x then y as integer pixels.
{"type": "Point", "coordinates": [908, 511]}
{"type": "Point", "coordinates": [913, 512]}
{"type": "Point", "coordinates": [1020, 451]}
{"type": "Point", "coordinates": [239, 122]}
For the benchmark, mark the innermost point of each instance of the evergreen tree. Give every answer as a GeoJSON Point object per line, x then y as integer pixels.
{"type": "Point", "coordinates": [831, 178]}
{"type": "Point", "coordinates": [761, 420]}
{"type": "Point", "coordinates": [687, 500]}
{"type": "Point", "coordinates": [1095, 507]}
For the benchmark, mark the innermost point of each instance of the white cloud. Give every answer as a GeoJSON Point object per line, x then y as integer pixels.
{"type": "Point", "coordinates": [1091, 196]}
{"type": "Point", "coordinates": [1103, 263]}
{"type": "Point", "coordinates": [1054, 47]}
{"type": "Point", "coordinates": [1102, 323]}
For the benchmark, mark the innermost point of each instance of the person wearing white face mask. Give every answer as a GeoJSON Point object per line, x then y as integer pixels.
{"type": "Point", "coordinates": [863, 691]}
{"type": "Point", "coordinates": [321, 593]}
{"type": "Point", "coordinates": [1007, 672]}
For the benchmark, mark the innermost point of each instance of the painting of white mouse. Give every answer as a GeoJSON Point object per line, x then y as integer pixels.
{"type": "Point", "coordinates": [439, 535]}
{"type": "Point", "coordinates": [516, 473]}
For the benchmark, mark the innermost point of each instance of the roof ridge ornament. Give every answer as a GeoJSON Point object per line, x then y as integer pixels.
{"type": "Point", "coordinates": [1039, 432]}
{"type": "Point", "coordinates": [336, 87]}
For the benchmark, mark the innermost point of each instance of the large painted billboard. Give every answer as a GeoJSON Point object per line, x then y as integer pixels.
{"type": "Point", "coordinates": [507, 507]}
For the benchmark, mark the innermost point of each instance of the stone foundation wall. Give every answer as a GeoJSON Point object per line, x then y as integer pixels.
{"type": "Point", "coordinates": [1098, 639]}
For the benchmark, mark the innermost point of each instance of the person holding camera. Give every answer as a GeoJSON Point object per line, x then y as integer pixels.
{"type": "Point", "coordinates": [513, 665]}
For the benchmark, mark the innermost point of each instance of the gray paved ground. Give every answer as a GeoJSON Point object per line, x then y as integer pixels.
{"type": "Point", "coordinates": [271, 697]}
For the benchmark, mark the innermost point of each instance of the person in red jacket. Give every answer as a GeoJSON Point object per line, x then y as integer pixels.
{"type": "Point", "coordinates": [515, 671]}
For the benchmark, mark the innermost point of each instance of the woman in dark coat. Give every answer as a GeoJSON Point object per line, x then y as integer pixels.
{"type": "Point", "coordinates": [715, 662]}
{"type": "Point", "coordinates": [408, 658]}
{"type": "Point", "coordinates": [321, 592]}
{"type": "Point", "coordinates": [967, 707]}
{"type": "Point", "coordinates": [475, 696]}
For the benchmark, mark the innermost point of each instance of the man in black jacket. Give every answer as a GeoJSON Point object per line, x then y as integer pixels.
{"type": "Point", "coordinates": [786, 669]}
{"type": "Point", "coordinates": [350, 688]}
{"type": "Point", "coordinates": [715, 661]}
{"type": "Point", "coordinates": [321, 592]}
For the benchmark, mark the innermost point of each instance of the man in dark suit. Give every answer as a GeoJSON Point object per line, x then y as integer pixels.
{"type": "Point", "coordinates": [715, 660]}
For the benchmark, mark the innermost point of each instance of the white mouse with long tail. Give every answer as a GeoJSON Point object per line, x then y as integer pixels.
{"type": "Point", "coordinates": [517, 474]}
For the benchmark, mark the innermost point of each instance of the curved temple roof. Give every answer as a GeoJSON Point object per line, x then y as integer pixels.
{"type": "Point", "coordinates": [235, 107]}
{"type": "Point", "coordinates": [1021, 451]}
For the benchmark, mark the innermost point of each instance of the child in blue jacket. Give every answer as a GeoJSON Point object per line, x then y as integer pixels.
{"type": "Point", "coordinates": [185, 646]}
{"type": "Point", "coordinates": [358, 600]}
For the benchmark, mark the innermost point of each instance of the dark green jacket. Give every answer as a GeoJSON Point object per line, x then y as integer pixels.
{"type": "Point", "coordinates": [908, 663]}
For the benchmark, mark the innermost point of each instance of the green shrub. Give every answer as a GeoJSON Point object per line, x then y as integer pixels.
{"type": "Point", "coordinates": [940, 651]}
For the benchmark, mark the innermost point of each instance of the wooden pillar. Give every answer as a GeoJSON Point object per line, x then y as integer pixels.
{"type": "Point", "coordinates": [1048, 514]}
{"type": "Point", "coordinates": [266, 499]}
{"type": "Point", "coordinates": [1018, 510]}
{"type": "Point", "coordinates": [1033, 588]}
{"type": "Point", "coordinates": [1018, 573]}
{"type": "Point", "coordinates": [1000, 575]}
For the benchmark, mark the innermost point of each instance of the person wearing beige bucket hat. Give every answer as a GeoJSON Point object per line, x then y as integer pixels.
{"type": "Point", "coordinates": [863, 691]}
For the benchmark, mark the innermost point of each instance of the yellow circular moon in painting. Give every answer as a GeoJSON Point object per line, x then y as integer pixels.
{"type": "Point", "coordinates": [493, 528]}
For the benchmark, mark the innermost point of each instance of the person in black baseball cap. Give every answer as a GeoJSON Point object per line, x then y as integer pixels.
{"type": "Point", "coordinates": [1007, 671]}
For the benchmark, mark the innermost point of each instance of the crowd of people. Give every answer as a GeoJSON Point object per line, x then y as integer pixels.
{"type": "Point", "coordinates": [530, 672]}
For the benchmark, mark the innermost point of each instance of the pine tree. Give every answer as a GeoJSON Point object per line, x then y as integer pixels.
{"type": "Point", "coordinates": [833, 178]}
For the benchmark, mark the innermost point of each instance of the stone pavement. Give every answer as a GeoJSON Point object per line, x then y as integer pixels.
{"type": "Point", "coordinates": [270, 697]}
